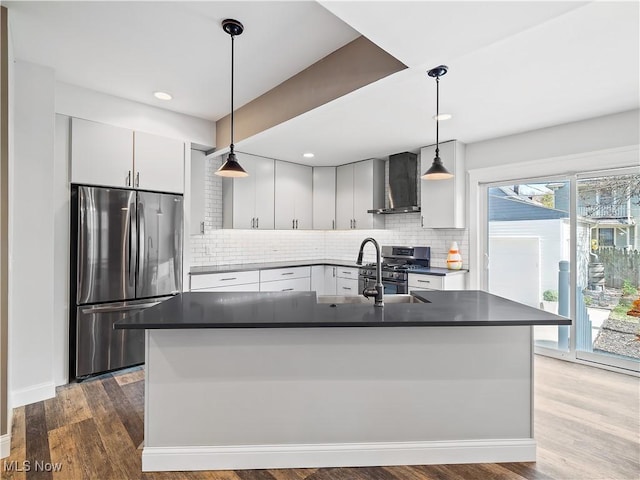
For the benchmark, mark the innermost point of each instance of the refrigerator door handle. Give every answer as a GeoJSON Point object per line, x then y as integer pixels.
{"type": "Point", "coordinates": [141, 241]}
{"type": "Point", "coordinates": [92, 310]}
{"type": "Point", "coordinates": [133, 247]}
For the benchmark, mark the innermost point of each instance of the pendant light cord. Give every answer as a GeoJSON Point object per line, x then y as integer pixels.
{"type": "Point", "coordinates": [232, 63]}
{"type": "Point", "coordinates": [437, 116]}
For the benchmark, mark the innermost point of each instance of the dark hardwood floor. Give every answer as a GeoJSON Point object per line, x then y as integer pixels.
{"type": "Point", "coordinates": [587, 423]}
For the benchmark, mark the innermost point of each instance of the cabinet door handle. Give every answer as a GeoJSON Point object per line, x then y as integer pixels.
{"type": "Point", "coordinates": [227, 279]}
{"type": "Point", "coordinates": [253, 222]}
{"type": "Point", "coordinates": [346, 288]}
{"type": "Point", "coordinates": [421, 221]}
{"type": "Point", "coordinates": [296, 224]}
{"type": "Point", "coordinates": [137, 179]}
{"type": "Point", "coordinates": [129, 179]}
{"type": "Point", "coordinates": [257, 224]}
{"type": "Point", "coordinates": [333, 224]}
{"type": "Point", "coordinates": [354, 223]}
{"type": "Point", "coordinates": [287, 273]}
{"type": "Point", "coordinates": [286, 290]}
{"type": "Point", "coordinates": [201, 227]}
{"type": "Point", "coordinates": [334, 271]}
{"type": "Point", "coordinates": [351, 223]}
{"type": "Point", "coordinates": [293, 224]}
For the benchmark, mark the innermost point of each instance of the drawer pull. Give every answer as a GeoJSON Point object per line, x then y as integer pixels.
{"type": "Point", "coordinates": [286, 289]}
{"type": "Point", "coordinates": [347, 273]}
{"type": "Point", "coordinates": [346, 288]}
{"type": "Point", "coordinates": [424, 281]}
{"type": "Point", "coordinates": [226, 279]}
{"type": "Point", "coordinates": [287, 273]}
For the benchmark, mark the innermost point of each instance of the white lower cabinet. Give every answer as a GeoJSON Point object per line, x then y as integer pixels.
{"type": "Point", "coordinates": [246, 287]}
{"type": "Point", "coordinates": [347, 281]}
{"type": "Point", "coordinates": [289, 285]}
{"type": "Point", "coordinates": [455, 281]}
{"type": "Point", "coordinates": [347, 286]}
{"type": "Point", "coordinates": [226, 279]}
{"type": "Point", "coordinates": [296, 279]}
{"type": "Point", "coordinates": [330, 280]}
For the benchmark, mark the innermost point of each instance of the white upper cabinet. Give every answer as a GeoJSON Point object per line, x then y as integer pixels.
{"type": "Point", "coordinates": [359, 187]}
{"type": "Point", "coordinates": [443, 201]}
{"type": "Point", "coordinates": [293, 196]}
{"type": "Point", "coordinates": [248, 203]}
{"type": "Point", "coordinates": [324, 198]}
{"type": "Point", "coordinates": [344, 197]}
{"type": "Point", "coordinates": [101, 154]}
{"type": "Point", "coordinates": [198, 198]}
{"type": "Point", "coordinates": [158, 163]}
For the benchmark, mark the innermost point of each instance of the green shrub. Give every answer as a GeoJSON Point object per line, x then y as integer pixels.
{"type": "Point", "coordinates": [628, 288]}
{"type": "Point", "coordinates": [550, 296]}
{"type": "Point", "coordinates": [588, 301]}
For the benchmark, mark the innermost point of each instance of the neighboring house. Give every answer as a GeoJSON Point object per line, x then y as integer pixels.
{"type": "Point", "coordinates": [614, 212]}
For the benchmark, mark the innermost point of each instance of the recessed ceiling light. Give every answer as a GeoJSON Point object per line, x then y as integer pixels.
{"type": "Point", "coordinates": [443, 116]}
{"type": "Point", "coordinates": [308, 155]}
{"type": "Point", "coordinates": [162, 95]}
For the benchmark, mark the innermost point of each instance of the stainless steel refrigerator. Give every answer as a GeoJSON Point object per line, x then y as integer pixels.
{"type": "Point", "coordinates": [126, 255]}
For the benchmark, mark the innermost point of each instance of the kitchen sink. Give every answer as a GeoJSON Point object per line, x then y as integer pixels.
{"type": "Point", "coordinates": [361, 300]}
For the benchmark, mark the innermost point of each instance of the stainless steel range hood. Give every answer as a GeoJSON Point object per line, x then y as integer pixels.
{"type": "Point", "coordinates": [403, 190]}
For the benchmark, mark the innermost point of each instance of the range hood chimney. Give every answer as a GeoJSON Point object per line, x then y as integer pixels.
{"type": "Point", "coordinates": [403, 190]}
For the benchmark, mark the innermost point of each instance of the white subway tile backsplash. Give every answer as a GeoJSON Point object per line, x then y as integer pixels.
{"type": "Point", "coordinates": [218, 246]}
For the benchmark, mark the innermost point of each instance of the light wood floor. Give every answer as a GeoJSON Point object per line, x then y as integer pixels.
{"type": "Point", "coordinates": [587, 424]}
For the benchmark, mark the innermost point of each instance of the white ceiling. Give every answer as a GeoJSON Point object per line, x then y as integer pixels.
{"type": "Point", "coordinates": [131, 49]}
{"type": "Point", "coordinates": [514, 66]}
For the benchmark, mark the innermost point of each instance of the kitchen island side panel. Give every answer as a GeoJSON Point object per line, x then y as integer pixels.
{"type": "Point", "coordinates": [290, 386]}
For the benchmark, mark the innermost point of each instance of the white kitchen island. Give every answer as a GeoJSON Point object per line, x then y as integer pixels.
{"type": "Point", "coordinates": [302, 384]}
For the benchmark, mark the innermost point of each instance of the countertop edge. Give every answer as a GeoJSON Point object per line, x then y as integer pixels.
{"type": "Point", "coordinates": [426, 296]}
{"type": "Point", "coordinates": [440, 272]}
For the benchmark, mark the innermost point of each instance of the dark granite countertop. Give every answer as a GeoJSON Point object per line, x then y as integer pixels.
{"type": "Point", "coordinates": [203, 270]}
{"type": "Point", "coordinates": [301, 310]}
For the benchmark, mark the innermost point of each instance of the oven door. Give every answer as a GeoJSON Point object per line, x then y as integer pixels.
{"type": "Point", "coordinates": [391, 287]}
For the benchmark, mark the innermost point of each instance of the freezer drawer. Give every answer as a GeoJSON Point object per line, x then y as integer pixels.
{"type": "Point", "coordinates": [100, 348]}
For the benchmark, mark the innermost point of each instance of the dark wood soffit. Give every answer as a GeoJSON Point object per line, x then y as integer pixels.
{"type": "Point", "coordinates": [349, 68]}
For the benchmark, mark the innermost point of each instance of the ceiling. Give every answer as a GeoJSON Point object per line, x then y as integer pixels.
{"type": "Point", "coordinates": [514, 66]}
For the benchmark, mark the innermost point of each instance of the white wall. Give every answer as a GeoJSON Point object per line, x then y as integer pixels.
{"type": "Point", "coordinates": [61, 212]}
{"type": "Point", "coordinates": [601, 133]}
{"type": "Point", "coordinates": [31, 247]}
{"type": "Point", "coordinates": [219, 246]}
{"type": "Point", "coordinates": [80, 102]}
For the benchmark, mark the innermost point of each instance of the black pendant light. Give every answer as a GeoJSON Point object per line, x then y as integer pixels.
{"type": "Point", "coordinates": [437, 170]}
{"type": "Point", "coordinates": [231, 168]}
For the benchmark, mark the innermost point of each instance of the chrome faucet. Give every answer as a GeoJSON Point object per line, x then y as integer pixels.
{"type": "Point", "coordinates": [378, 289]}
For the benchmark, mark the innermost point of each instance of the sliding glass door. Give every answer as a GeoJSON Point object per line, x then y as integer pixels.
{"type": "Point", "coordinates": [570, 245]}
{"type": "Point", "coordinates": [607, 320]}
{"type": "Point", "coordinates": [529, 238]}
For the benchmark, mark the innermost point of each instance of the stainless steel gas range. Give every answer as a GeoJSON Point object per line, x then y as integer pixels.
{"type": "Point", "coordinates": [397, 263]}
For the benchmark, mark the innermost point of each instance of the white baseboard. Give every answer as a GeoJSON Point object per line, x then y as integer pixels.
{"type": "Point", "coordinates": [5, 445]}
{"type": "Point", "coordinates": [156, 459]}
{"type": "Point", "coordinates": [33, 394]}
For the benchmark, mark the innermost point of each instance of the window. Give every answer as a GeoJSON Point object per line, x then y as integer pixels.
{"type": "Point", "coordinates": [605, 237]}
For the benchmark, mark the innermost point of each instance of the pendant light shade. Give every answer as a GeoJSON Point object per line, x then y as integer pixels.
{"type": "Point", "coordinates": [231, 168]}
{"type": "Point", "coordinates": [437, 170]}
